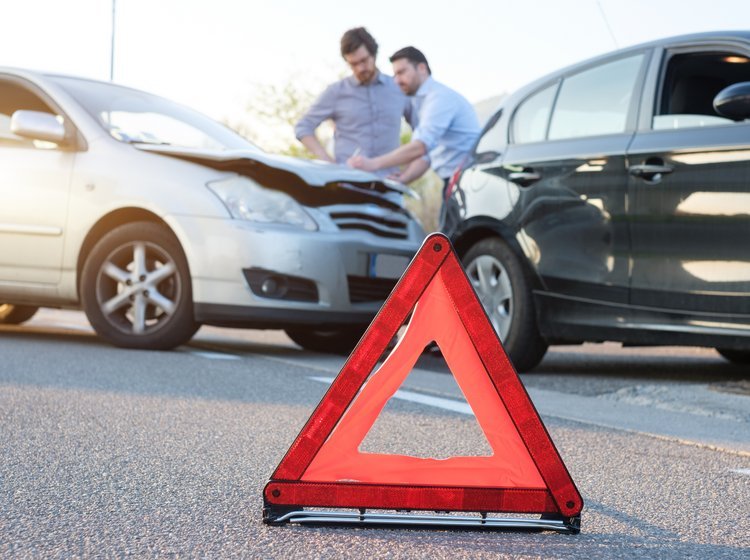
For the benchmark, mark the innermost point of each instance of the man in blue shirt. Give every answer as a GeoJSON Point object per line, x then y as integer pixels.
{"type": "Point", "coordinates": [444, 122]}
{"type": "Point", "coordinates": [366, 107]}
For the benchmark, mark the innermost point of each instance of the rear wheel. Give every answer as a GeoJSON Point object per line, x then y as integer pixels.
{"type": "Point", "coordinates": [741, 357]}
{"type": "Point", "coordinates": [136, 288]}
{"type": "Point", "coordinates": [503, 288]}
{"type": "Point", "coordinates": [16, 314]}
{"type": "Point", "coordinates": [332, 341]}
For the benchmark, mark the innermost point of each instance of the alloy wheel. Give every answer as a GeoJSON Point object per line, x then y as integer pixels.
{"type": "Point", "coordinates": [492, 284]}
{"type": "Point", "coordinates": [138, 287]}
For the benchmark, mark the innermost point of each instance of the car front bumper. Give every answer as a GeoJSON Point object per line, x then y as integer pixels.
{"type": "Point", "coordinates": [221, 251]}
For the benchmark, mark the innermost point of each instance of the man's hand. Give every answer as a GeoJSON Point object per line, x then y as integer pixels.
{"type": "Point", "coordinates": [361, 162]}
{"type": "Point", "coordinates": [316, 148]}
{"type": "Point", "coordinates": [414, 170]}
{"type": "Point", "coordinates": [405, 154]}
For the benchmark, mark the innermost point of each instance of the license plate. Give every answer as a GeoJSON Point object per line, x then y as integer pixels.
{"type": "Point", "coordinates": [386, 266]}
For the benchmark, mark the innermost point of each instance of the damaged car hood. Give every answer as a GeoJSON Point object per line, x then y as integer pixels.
{"type": "Point", "coordinates": [314, 173]}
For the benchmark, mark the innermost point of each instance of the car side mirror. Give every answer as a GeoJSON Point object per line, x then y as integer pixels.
{"type": "Point", "coordinates": [733, 101]}
{"type": "Point", "coordinates": [37, 125]}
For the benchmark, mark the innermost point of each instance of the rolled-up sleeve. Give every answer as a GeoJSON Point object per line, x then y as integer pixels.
{"type": "Point", "coordinates": [323, 108]}
{"type": "Point", "coordinates": [435, 117]}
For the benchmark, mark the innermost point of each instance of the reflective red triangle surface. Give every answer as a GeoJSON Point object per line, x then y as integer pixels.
{"type": "Point", "coordinates": [524, 473]}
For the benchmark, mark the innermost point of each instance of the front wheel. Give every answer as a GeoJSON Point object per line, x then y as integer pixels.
{"type": "Point", "coordinates": [503, 288]}
{"type": "Point", "coordinates": [16, 314]}
{"type": "Point", "coordinates": [136, 288]}
{"type": "Point", "coordinates": [332, 341]}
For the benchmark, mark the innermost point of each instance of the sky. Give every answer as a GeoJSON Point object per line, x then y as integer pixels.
{"type": "Point", "coordinates": [214, 55]}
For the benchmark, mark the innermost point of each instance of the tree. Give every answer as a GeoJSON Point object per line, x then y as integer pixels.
{"type": "Point", "coordinates": [271, 114]}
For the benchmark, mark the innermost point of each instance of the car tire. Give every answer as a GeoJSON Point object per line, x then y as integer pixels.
{"type": "Point", "coordinates": [503, 288]}
{"type": "Point", "coordinates": [740, 357]}
{"type": "Point", "coordinates": [16, 314]}
{"type": "Point", "coordinates": [136, 288]}
{"type": "Point", "coordinates": [330, 341]}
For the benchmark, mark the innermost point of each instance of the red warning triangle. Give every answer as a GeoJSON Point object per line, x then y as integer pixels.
{"type": "Point", "coordinates": [324, 466]}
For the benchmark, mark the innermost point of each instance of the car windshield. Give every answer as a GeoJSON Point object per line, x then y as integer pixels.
{"type": "Point", "coordinates": [134, 116]}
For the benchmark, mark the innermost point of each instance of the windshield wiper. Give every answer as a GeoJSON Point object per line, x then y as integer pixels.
{"type": "Point", "coordinates": [147, 142]}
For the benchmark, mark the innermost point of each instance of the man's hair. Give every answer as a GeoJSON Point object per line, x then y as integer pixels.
{"type": "Point", "coordinates": [411, 54]}
{"type": "Point", "coordinates": [355, 38]}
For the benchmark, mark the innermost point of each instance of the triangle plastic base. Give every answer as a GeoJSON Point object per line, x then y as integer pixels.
{"type": "Point", "coordinates": [480, 522]}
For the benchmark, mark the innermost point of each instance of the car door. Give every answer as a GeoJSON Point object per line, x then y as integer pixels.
{"type": "Point", "coordinates": [567, 162]}
{"type": "Point", "coordinates": [34, 187]}
{"type": "Point", "coordinates": [690, 186]}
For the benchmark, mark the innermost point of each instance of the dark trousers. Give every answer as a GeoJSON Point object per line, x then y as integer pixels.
{"type": "Point", "coordinates": [450, 210]}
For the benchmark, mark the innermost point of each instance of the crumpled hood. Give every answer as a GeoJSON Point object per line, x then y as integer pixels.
{"type": "Point", "coordinates": [314, 173]}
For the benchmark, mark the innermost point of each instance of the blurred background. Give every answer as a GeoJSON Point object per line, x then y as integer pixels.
{"type": "Point", "coordinates": [256, 65]}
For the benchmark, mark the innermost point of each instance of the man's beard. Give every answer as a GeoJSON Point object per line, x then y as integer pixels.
{"type": "Point", "coordinates": [365, 77]}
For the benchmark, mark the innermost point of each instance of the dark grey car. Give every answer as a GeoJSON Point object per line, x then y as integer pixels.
{"type": "Point", "coordinates": [611, 201]}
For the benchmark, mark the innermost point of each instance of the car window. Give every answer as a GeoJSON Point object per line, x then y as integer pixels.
{"type": "Point", "coordinates": [14, 98]}
{"type": "Point", "coordinates": [492, 141]}
{"type": "Point", "coordinates": [691, 81]}
{"type": "Point", "coordinates": [532, 116]}
{"type": "Point", "coordinates": [596, 101]}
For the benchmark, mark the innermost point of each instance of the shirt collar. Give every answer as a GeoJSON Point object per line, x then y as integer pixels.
{"type": "Point", "coordinates": [425, 88]}
{"type": "Point", "coordinates": [380, 78]}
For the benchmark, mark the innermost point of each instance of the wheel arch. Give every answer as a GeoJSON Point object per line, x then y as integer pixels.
{"type": "Point", "coordinates": [474, 230]}
{"type": "Point", "coordinates": [107, 223]}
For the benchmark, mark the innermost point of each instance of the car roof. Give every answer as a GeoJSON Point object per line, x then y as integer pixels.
{"type": "Point", "coordinates": [23, 72]}
{"type": "Point", "coordinates": [738, 34]}
{"type": "Point", "coordinates": [42, 75]}
{"type": "Point", "coordinates": [719, 36]}
{"type": "Point", "coordinates": [742, 36]}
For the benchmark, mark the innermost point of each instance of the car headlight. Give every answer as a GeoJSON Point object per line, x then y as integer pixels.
{"type": "Point", "coordinates": [247, 200]}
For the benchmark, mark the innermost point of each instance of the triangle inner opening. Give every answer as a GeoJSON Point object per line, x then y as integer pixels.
{"type": "Point", "coordinates": [436, 424]}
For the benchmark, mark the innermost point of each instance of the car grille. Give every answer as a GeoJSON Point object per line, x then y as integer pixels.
{"type": "Point", "coordinates": [363, 289]}
{"type": "Point", "coordinates": [377, 221]}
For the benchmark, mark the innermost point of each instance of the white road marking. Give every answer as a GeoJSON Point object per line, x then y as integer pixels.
{"type": "Point", "coordinates": [70, 327]}
{"type": "Point", "coordinates": [438, 402]}
{"type": "Point", "coordinates": [746, 472]}
{"type": "Point", "coordinates": [616, 416]}
{"type": "Point", "coordinates": [329, 365]}
{"type": "Point", "coordinates": [214, 355]}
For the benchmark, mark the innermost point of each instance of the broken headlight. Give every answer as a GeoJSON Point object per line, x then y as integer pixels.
{"type": "Point", "coordinates": [247, 200]}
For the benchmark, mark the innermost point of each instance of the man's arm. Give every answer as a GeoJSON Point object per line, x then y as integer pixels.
{"type": "Point", "coordinates": [413, 171]}
{"type": "Point", "coordinates": [401, 155]}
{"type": "Point", "coordinates": [312, 143]}
{"type": "Point", "coordinates": [322, 109]}
{"type": "Point", "coordinates": [435, 117]}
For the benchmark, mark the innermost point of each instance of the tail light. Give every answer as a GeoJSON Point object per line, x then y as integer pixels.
{"type": "Point", "coordinates": [453, 182]}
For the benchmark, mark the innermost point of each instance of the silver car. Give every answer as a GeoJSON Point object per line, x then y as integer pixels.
{"type": "Point", "coordinates": [155, 219]}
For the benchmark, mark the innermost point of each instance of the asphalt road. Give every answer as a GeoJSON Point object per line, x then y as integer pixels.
{"type": "Point", "coordinates": [114, 453]}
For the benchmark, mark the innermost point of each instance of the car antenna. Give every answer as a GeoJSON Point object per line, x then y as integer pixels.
{"type": "Point", "coordinates": [604, 17]}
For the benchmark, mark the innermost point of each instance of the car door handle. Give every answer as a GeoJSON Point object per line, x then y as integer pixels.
{"type": "Point", "coordinates": [524, 178]}
{"type": "Point", "coordinates": [649, 171]}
